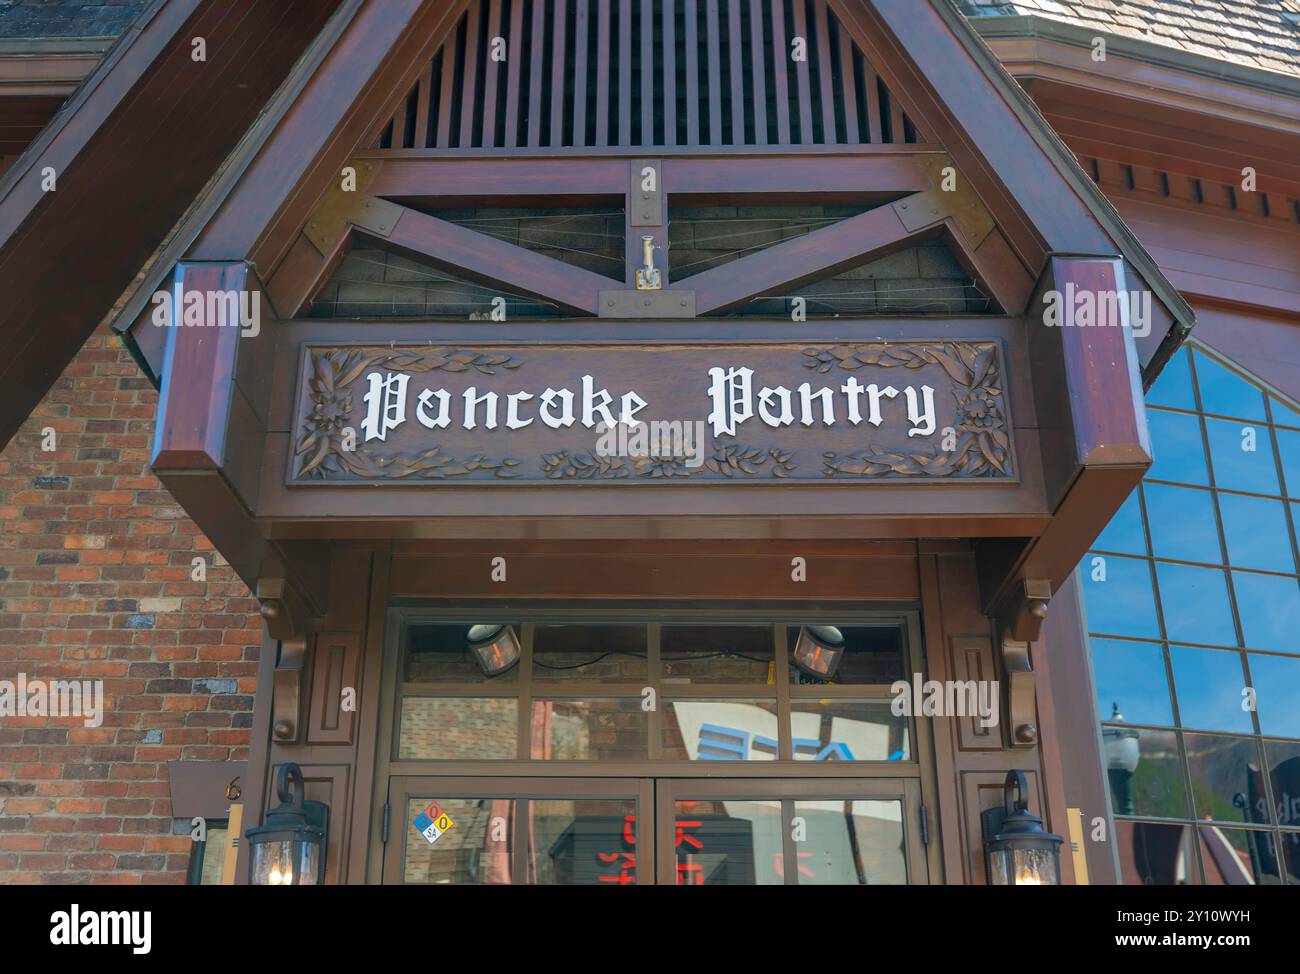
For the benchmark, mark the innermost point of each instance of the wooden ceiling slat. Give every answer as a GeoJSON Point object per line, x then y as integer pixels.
{"type": "Point", "coordinates": [824, 76]}
{"type": "Point", "coordinates": [871, 82]}
{"type": "Point", "coordinates": [647, 35]}
{"type": "Point", "coordinates": [847, 86]}
{"type": "Point", "coordinates": [735, 72]}
{"type": "Point", "coordinates": [558, 28]}
{"type": "Point", "coordinates": [469, 77]}
{"type": "Point", "coordinates": [603, 26]}
{"type": "Point", "coordinates": [625, 72]}
{"type": "Point", "coordinates": [670, 71]}
{"type": "Point", "coordinates": [715, 72]}
{"type": "Point", "coordinates": [581, 29]}
{"type": "Point", "coordinates": [535, 58]}
{"type": "Point", "coordinates": [514, 66]}
{"type": "Point", "coordinates": [780, 72]}
{"type": "Point", "coordinates": [445, 94]}
{"type": "Point", "coordinates": [801, 76]}
{"type": "Point", "coordinates": [425, 90]}
{"type": "Point", "coordinates": [758, 71]}
{"type": "Point", "coordinates": [491, 74]}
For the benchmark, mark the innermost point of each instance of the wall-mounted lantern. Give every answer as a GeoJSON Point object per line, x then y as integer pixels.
{"type": "Point", "coordinates": [289, 849]}
{"type": "Point", "coordinates": [818, 650]}
{"type": "Point", "coordinates": [495, 648]}
{"type": "Point", "coordinates": [1017, 850]}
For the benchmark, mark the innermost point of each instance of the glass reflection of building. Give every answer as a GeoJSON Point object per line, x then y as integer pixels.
{"type": "Point", "coordinates": [1193, 606]}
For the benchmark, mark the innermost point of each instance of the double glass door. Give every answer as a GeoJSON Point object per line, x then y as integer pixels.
{"type": "Point", "coordinates": [641, 831]}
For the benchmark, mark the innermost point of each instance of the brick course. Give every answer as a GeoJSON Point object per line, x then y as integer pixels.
{"type": "Point", "coordinates": [95, 561]}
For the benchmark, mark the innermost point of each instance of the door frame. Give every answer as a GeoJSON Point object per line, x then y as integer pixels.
{"type": "Point", "coordinates": [397, 618]}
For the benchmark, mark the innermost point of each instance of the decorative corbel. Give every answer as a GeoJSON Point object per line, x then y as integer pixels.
{"type": "Point", "coordinates": [1020, 623]}
{"type": "Point", "coordinates": [287, 621]}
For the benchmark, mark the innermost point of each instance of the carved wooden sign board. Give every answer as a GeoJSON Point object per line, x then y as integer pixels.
{"type": "Point", "coordinates": [689, 414]}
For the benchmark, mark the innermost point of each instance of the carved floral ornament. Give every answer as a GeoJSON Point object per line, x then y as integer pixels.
{"type": "Point", "coordinates": [362, 418]}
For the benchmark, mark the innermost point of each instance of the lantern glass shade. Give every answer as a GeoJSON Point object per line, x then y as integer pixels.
{"type": "Point", "coordinates": [495, 648]}
{"type": "Point", "coordinates": [818, 650]}
{"type": "Point", "coordinates": [289, 849]}
{"type": "Point", "coordinates": [286, 862]}
{"type": "Point", "coordinates": [1024, 867]}
{"type": "Point", "coordinates": [1018, 850]}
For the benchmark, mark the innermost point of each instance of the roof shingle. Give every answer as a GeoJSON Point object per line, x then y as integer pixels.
{"type": "Point", "coordinates": [31, 19]}
{"type": "Point", "coordinates": [1263, 34]}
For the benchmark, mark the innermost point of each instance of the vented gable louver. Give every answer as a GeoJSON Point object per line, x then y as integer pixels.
{"type": "Point", "coordinates": [633, 73]}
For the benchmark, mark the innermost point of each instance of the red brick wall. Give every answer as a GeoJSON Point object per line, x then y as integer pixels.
{"type": "Point", "coordinates": [95, 583]}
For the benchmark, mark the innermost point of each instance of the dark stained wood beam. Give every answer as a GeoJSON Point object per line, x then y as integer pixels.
{"type": "Point", "coordinates": [58, 276]}
{"type": "Point", "coordinates": [474, 182]}
{"type": "Point", "coordinates": [820, 254]}
{"type": "Point", "coordinates": [485, 260]}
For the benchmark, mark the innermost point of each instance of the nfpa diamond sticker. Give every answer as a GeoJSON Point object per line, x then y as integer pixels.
{"type": "Point", "coordinates": [433, 822]}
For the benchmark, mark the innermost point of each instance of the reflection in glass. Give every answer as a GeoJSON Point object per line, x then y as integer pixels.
{"type": "Point", "coordinates": [849, 730]}
{"type": "Point", "coordinates": [1179, 451]}
{"type": "Point", "coordinates": [1276, 680]}
{"type": "Point", "coordinates": [1174, 387]}
{"type": "Point", "coordinates": [1183, 525]}
{"type": "Point", "coordinates": [716, 654]}
{"type": "Point", "coordinates": [441, 654]}
{"type": "Point", "coordinates": [471, 852]}
{"type": "Point", "coordinates": [589, 653]}
{"type": "Point", "coordinates": [1270, 611]}
{"type": "Point", "coordinates": [458, 728]}
{"type": "Point", "coordinates": [1209, 685]}
{"type": "Point", "coordinates": [1238, 468]}
{"type": "Point", "coordinates": [1124, 532]}
{"type": "Point", "coordinates": [1225, 393]}
{"type": "Point", "coordinates": [582, 842]}
{"type": "Point", "coordinates": [1238, 857]}
{"type": "Point", "coordinates": [1154, 786]}
{"type": "Point", "coordinates": [1155, 854]}
{"type": "Point", "coordinates": [728, 843]}
{"type": "Point", "coordinates": [851, 843]}
{"type": "Point", "coordinates": [1119, 596]}
{"type": "Point", "coordinates": [1226, 782]}
{"type": "Point", "coordinates": [1284, 771]}
{"type": "Point", "coordinates": [720, 730]}
{"type": "Point", "coordinates": [1195, 604]}
{"type": "Point", "coordinates": [872, 654]}
{"type": "Point", "coordinates": [1257, 534]}
{"type": "Point", "coordinates": [1288, 447]}
{"type": "Point", "coordinates": [1130, 677]}
{"type": "Point", "coordinates": [588, 729]}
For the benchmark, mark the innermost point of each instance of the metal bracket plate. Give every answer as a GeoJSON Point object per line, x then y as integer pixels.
{"type": "Point", "coordinates": [961, 204]}
{"type": "Point", "coordinates": [339, 207]}
{"type": "Point", "coordinates": [647, 304]}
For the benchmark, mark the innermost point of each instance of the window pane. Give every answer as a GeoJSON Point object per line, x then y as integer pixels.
{"type": "Point", "coordinates": [1179, 452]}
{"type": "Point", "coordinates": [458, 728]}
{"type": "Point", "coordinates": [1124, 532]}
{"type": "Point", "coordinates": [1257, 533]}
{"type": "Point", "coordinates": [716, 654]}
{"type": "Point", "coordinates": [440, 654]}
{"type": "Point", "coordinates": [471, 852]}
{"type": "Point", "coordinates": [872, 654]}
{"type": "Point", "coordinates": [1283, 414]}
{"type": "Point", "coordinates": [1195, 604]}
{"type": "Point", "coordinates": [1145, 772]}
{"type": "Point", "coordinates": [1284, 769]}
{"type": "Point", "coordinates": [1118, 595]}
{"type": "Point", "coordinates": [582, 842]}
{"type": "Point", "coordinates": [588, 730]}
{"type": "Point", "coordinates": [720, 730]}
{"type": "Point", "coordinates": [1225, 777]}
{"type": "Point", "coordinates": [1155, 854]}
{"type": "Point", "coordinates": [1236, 468]}
{"type": "Point", "coordinates": [1209, 684]}
{"type": "Point", "coordinates": [728, 843]}
{"type": "Point", "coordinates": [1276, 680]}
{"type": "Point", "coordinates": [603, 653]}
{"type": "Point", "coordinates": [1226, 393]}
{"type": "Point", "coordinates": [1288, 446]}
{"type": "Point", "coordinates": [848, 730]}
{"type": "Point", "coordinates": [1174, 387]}
{"type": "Point", "coordinates": [1235, 857]}
{"type": "Point", "coordinates": [851, 843]}
{"type": "Point", "coordinates": [1270, 611]}
{"type": "Point", "coordinates": [1183, 525]}
{"type": "Point", "coordinates": [1131, 682]}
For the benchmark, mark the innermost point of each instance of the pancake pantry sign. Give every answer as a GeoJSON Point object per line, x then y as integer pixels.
{"type": "Point", "coordinates": [611, 414]}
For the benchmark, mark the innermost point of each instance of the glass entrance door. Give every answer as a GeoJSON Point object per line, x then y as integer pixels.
{"type": "Point", "coordinates": [625, 831]}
